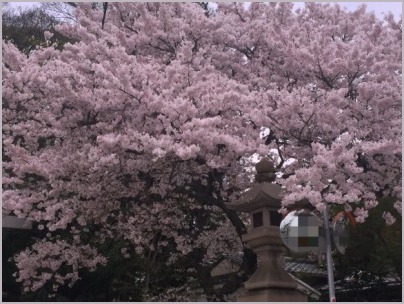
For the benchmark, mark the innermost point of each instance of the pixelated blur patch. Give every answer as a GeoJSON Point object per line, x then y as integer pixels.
{"type": "Point", "coordinates": [305, 241]}
{"type": "Point", "coordinates": [301, 232]}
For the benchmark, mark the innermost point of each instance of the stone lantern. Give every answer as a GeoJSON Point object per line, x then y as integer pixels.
{"type": "Point", "coordinates": [270, 282]}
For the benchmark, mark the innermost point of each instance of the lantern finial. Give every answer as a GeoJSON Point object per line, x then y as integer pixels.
{"type": "Point", "coordinates": [265, 171]}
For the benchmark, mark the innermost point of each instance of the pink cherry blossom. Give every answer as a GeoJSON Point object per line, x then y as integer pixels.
{"type": "Point", "coordinates": [147, 127]}
{"type": "Point", "coordinates": [390, 220]}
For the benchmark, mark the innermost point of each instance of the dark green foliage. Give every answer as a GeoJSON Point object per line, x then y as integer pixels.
{"type": "Point", "coordinates": [134, 278]}
{"type": "Point", "coordinates": [13, 241]}
{"type": "Point", "coordinates": [119, 280]}
{"type": "Point", "coordinates": [26, 29]}
{"type": "Point", "coordinates": [374, 253]}
{"type": "Point", "coordinates": [122, 279]}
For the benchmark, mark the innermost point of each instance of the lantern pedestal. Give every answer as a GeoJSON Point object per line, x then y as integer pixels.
{"type": "Point", "coordinates": [272, 295]}
{"type": "Point", "coordinates": [270, 282]}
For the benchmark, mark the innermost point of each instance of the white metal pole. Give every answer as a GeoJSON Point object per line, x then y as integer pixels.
{"type": "Point", "coordinates": [330, 269]}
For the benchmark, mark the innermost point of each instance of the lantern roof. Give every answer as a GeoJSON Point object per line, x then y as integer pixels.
{"type": "Point", "coordinates": [263, 194]}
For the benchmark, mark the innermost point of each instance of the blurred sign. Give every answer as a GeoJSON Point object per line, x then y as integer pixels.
{"type": "Point", "coordinates": [300, 231]}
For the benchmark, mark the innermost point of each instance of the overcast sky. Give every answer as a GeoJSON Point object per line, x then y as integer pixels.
{"type": "Point", "coordinates": [378, 7]}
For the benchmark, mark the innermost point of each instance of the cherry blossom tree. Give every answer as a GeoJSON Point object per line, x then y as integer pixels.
{"type": "Point", "coordinates": [143, 129]}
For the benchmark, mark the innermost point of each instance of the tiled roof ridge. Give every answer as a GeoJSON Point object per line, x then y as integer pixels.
{"type": "Point", "coordinates": [291, 264]}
